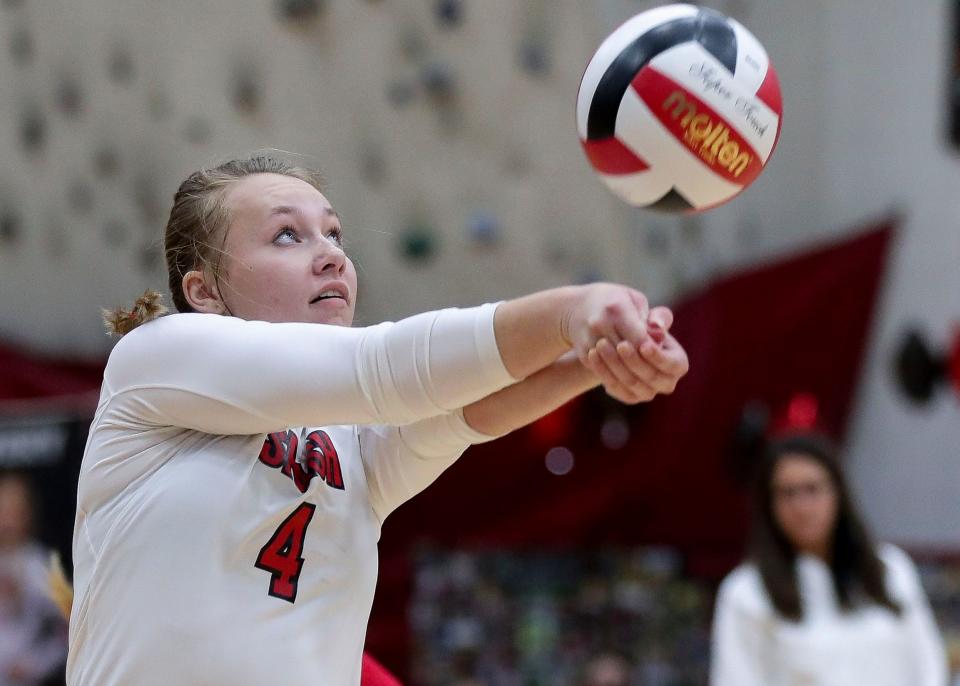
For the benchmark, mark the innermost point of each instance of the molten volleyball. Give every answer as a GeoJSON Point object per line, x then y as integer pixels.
{"type": "Point", "coordinates": [679, 109]}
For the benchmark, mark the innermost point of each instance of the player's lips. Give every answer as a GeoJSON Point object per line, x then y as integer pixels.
{"type": "Point", "coordinates": [333, 290]}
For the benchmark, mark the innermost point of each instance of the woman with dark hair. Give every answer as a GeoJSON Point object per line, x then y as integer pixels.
{"type": "Point", "coordinates": [818, 602]}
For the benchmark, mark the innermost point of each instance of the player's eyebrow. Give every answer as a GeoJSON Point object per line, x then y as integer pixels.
{"type": "Point", "coordinates": [287, 209]}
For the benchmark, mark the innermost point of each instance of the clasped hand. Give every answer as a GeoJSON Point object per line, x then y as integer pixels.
{"type": "Point", "coordinates": [626, 343]}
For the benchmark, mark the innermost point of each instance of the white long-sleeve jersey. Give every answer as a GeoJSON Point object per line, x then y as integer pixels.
{"type": "Point", "coordinates": [754, 646]}
{"type": "Point", "coordinates": [234, 483]}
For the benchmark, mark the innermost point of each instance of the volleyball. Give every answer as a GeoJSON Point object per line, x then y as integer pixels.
{"type": "Point", "coordinates": [679, 109]}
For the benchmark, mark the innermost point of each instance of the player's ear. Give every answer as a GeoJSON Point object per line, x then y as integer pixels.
{"type": "Point", "coordinates": [201, 293]}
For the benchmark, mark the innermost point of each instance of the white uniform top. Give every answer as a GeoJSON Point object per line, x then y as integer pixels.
{"type": "Point", "coordinates": [234, 483]}
{"type": "Point", "coordinates": [870, 646]}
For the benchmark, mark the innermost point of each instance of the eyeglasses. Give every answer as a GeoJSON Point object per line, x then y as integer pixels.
{"type": "Point", "coordinates": [812, 490]}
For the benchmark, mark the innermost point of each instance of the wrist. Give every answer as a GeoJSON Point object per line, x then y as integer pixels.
{"type": "Point", "coordinates": [577, 377]}
{"type": "Point", "coordinates": [574, 297]}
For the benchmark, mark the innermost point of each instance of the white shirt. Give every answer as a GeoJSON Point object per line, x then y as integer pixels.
{"type": "Point", "coordinates": [870, 646]}
{"type": "Point", "coordinates": [234, 483]}
{"type": "Point", "coordinates": [32, 630]}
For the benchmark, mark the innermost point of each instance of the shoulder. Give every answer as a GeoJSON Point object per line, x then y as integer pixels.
{"type": "Point", "coordinates": [743, 588]}
{"type": "Point", "coordinates": [900, 567]}
{"type": "Point", "coordinates": [163, 328]}
{"type": "Point", "coordinates": [744, 577]}
{"type": "Point", "coordinates": [173, 325]}
{"type": "Point", "coordinates": [895, 559]}
{"type": "Point", "coordinates": [902, 575]}
{"type": "Point", "coordinates": [166, 337]}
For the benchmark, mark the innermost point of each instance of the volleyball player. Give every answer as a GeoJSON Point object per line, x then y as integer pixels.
{"type": "Point", "coordinates": [246, 450]}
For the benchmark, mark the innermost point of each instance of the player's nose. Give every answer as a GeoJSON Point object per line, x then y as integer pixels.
{"type": "Point", "coordinates": [329, 258]}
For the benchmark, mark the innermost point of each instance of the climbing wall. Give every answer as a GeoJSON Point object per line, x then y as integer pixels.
{"type": "Point", "coordinates": [444, 129]}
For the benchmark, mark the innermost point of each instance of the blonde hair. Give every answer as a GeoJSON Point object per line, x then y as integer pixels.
{"type": "Point", "coordinates": [196, 233]}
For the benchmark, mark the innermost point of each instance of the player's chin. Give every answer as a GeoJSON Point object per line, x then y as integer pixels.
{"type": "Point", "coordinates": [335, 313]}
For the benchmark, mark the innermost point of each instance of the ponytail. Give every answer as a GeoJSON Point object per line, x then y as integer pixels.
{"type": "Point", "coordinates": [147, 307]}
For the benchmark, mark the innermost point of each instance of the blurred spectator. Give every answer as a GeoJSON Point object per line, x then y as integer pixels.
{"type": "Point", "coordinates": [818, 602]}
{"type": "Point", "coordinates": [607, 670]}
{"type": "Point", "coordinates": [615, 617]}
{"type": "Point", "coordinates": [33, 634]}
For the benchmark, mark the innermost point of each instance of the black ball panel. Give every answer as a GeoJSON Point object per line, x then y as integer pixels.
{"type": "Point", "coordinates": [709, 28]}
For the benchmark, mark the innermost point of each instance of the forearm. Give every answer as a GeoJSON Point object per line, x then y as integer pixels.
{"type": "Point", "coordinates": [528, 400]}
{"type": "Point", "coordinates": [532, 331]}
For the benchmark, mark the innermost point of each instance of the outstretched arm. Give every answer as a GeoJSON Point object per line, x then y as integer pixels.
{"type": "Point", "coordinates": [402, 461]}
{"type": "Point", "coordinates": [227, 376]}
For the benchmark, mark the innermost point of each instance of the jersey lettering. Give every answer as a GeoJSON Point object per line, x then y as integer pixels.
{"type": "Point", "coordinates": [320, 448]}
{"type": "Point", "coordinates": [320, 458]}
{"type": "Point", "coordinates": [274, 450]}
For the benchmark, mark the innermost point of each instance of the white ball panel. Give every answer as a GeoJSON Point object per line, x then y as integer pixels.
{"type": "Point", "coordinates": [752, 58]}
{"type": "Point", "coordinates": [640, 130]}
{"type": "Point", "coordinates": [611, 48]}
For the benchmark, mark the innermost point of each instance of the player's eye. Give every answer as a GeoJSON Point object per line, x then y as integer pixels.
{"type": "Point", "coordinates": [336, 235]}
{"type": "Point", "coordinates": [286, 235]}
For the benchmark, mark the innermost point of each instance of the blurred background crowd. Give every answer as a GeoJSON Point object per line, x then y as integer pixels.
{"type": "Point", "coordinates": [586, 549]}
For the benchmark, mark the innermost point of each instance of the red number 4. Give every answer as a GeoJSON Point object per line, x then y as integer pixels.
{"type": "Point", "coordinates": [281, 556]}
